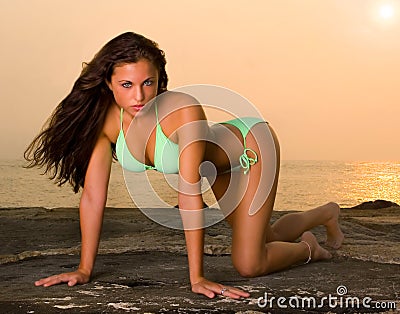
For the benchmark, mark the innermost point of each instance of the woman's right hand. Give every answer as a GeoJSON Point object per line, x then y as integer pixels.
{"type": "Point", "coordinates": [91, 211]}
{"type": "Point", "coordinates": [73, 278]}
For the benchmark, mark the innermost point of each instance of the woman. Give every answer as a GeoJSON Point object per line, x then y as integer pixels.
{"type": "Point", "coordinates": [88, 128]}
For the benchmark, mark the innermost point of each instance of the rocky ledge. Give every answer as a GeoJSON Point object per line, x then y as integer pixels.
{"type": "Point", "coordinates": [142, 267]}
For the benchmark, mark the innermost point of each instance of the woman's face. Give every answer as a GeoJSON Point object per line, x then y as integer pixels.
{"type": "Point", "coordinates": [134, 84]}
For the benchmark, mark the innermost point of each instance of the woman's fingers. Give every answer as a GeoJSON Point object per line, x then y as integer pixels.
{"type": "Point", "coordinates": [234, 293]}
{"type": "Point", "coordinates": [49, 281]}
{"type": "Point", "coordinates": [70, 278]}
{"type": "Point", "coordinates": [211, 289]}
{"type": "Point", "coordinates": [200, 289]}
{"type": "Point", "coordinates": [72, 282]}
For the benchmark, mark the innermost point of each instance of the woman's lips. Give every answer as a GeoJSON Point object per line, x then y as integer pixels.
{"type": "Point", "coordinates": [137, 107]}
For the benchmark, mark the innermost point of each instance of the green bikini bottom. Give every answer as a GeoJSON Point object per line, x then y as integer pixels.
{"type": "Point", "coordinates": [249, 156]}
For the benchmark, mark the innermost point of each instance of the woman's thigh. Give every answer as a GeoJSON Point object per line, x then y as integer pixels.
{"type": "Point", "coordinates": [247, 200]}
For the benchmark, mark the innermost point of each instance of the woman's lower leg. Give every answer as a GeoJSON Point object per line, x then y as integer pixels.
{"type": "Point", "coordinates": [279, 256]}
{"type": "Point", "coordinates": [291, 226]}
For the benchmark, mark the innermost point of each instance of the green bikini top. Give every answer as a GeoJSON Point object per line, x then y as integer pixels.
{"type": "Point", "coordinates": [166, 154]}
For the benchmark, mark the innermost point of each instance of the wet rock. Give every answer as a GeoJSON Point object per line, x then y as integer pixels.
{"type": "Point", "coordinates": [377, 204]}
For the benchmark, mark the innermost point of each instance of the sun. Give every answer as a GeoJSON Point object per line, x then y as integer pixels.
{"type": "Point", "coordinates": [386, 11]}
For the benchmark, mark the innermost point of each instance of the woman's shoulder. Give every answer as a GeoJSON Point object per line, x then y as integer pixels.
{"type": "Point", "coordinates": [180, 106]}
{"type": "Point", "coordinates": [181, 116]}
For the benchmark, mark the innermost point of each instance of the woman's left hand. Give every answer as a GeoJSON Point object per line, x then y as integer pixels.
{"type": "Point", "coordinates": [211, 289]}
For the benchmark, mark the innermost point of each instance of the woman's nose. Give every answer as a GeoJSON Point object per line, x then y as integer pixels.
{"type": "Point", "coordinates": [139, 94]}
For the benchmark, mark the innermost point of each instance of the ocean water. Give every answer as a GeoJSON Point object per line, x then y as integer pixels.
{"type": "Point", "coordinates": [302, 185]}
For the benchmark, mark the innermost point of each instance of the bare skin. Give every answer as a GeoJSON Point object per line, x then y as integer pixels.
{"type": "Point", "coordinates": [258, 248]}
{"type": "Point", "coordinates": [334, 234]}
{"type": "Point", "coordinates": [317, 252]}
{"type": "Point", "coordinates": [288, 229]}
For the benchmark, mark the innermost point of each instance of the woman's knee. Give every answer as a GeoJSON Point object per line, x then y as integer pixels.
{"type": "Point", "coordinates": [248, 267]}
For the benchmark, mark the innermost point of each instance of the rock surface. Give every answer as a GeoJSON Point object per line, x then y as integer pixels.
{"type": "Point", "coordinates": [142, 267]}
{"type": "Point", "coordinates": [375, 205]}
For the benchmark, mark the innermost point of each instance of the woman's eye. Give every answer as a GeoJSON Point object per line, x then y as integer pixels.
{"type": "Point", "coordinates": [127, 84]}
{"type": "Point", "coordinates": [148, 83]}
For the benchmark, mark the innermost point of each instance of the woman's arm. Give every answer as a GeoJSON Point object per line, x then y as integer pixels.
{"type": "Point", "coordinates": [192, 136]}
{"type": "Point", "coordinates": [91, 208]}
{"type": "Point", "coordinates": [93, 201]}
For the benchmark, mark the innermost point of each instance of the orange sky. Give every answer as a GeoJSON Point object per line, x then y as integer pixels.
{"type": "Point", "coordinates": [325, 74]}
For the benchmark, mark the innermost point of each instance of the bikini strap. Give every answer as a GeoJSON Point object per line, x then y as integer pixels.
{"type": "Point", "coordinates": [247, 159]}
{"type": "Point", "coordinates": [155, 106]}
{"type": "Point", "coordinates": [121, 118]}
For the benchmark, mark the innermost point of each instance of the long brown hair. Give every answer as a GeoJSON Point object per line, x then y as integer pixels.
{"type": "Point", "coordinates": [66, 142]}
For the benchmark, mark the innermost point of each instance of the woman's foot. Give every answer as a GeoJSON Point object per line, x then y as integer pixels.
{"type": "Point", "coordinates": [317, 251]}
{"type": "Point", "coordinates": [334, 235]}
